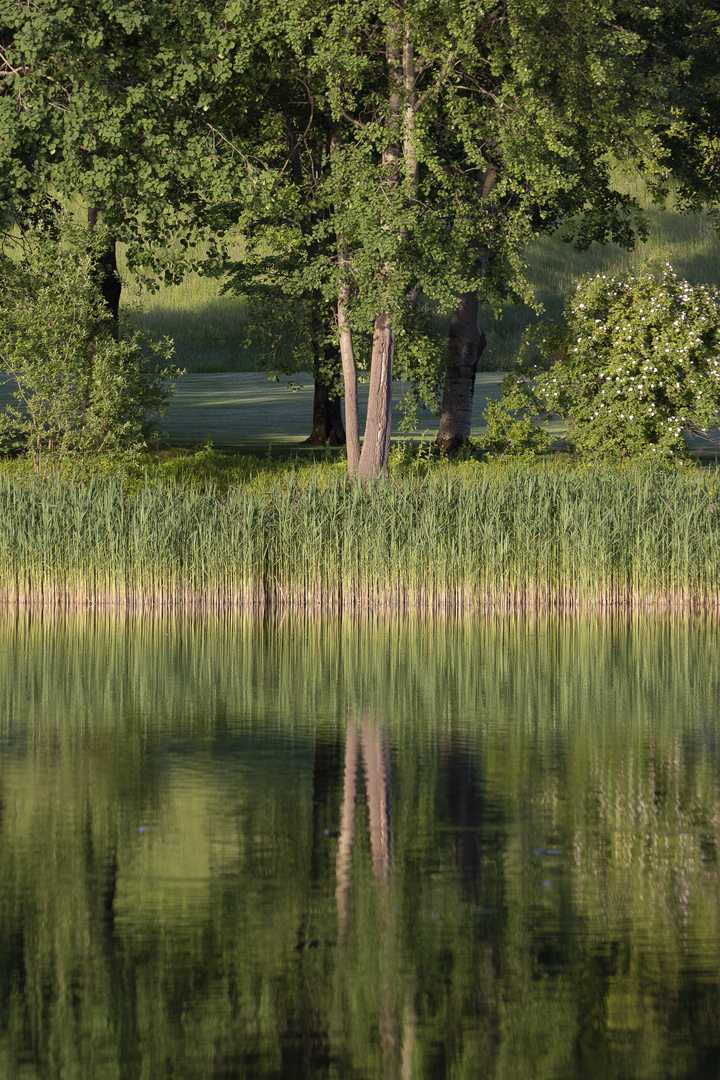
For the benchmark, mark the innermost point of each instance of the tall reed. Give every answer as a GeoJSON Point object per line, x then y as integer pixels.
{"type": "Point", "coordinates": [497, 537]}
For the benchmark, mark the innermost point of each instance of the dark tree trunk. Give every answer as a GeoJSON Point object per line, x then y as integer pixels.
{"type": "Point", "coordinates": [466, 342]}
{"type": "Point", "coordinates": [327, 779]}
{"type": "Point", "coordinates": [462, 800]}
{"type": "Point", "coordinates": [327, 411]}
{"type": "Point", "coordinates": [110, 285]}
{"type": "Point", "coordinates": [327, 418]}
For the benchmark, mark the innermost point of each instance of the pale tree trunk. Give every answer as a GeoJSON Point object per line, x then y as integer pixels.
{"type": "Point", "coordinates": [371, 743]}
{"type": "Point", "coordinates": [343, 863]}
{"type": "Point", "coordinates": [347, 352]}
{"type": "Point", "coordinates": [370, 462]}
{"type": "Point", "coordinates": [349, 369]}
{"type": "Point", "coordinates": [376, 442]}
{"type": "Point", "coordinates": [378, 783]}
{"type": "Point", "coordinates": [378, 426]}
{"type": "Point", "coordinates": [409, 1037]}
{"type": "Point", "coordinates": [410, 157]}
{"type": "Point", "coordinates": [375, 744]}
{"type": "Point", "coordinates": [465, 346]}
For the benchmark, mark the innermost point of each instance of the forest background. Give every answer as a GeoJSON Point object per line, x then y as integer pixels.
{"type": "Point", "coordinates": [378, 169]}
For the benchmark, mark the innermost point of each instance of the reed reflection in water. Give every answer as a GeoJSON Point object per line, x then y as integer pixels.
{"type": "Point", "coordinates": [401, 847]}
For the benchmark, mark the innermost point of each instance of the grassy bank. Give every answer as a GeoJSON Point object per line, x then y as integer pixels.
{"type": "Point", "coordinates": [486, 536]}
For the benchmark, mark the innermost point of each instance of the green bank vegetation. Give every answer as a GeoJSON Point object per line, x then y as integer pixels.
{"type": "Point", "coordinates": [429, 151]}
{"type": "Point", "coordinates": [379, 165]}
{"type": "Point", "coordinates": [480, 536]}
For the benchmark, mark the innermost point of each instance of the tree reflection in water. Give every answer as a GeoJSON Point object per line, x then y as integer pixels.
{"type": "Point", "coordinates": [400, 848]}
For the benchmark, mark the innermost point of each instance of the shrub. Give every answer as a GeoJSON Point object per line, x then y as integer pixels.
{"type": "Point", "coordinates": [79, 391]}
{"type": "Point", "coordinates": [636, 365]}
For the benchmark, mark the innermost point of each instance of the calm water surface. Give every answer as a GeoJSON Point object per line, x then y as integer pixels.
{"type": "Point", "coordinates": [239, 847]}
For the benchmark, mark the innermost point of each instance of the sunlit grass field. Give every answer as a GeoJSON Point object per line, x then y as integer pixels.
{"type": "Point", "coordinates": [208, 327]}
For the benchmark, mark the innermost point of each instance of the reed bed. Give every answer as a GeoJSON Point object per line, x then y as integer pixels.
{"type": "Point", "coordinates": [525, 537]}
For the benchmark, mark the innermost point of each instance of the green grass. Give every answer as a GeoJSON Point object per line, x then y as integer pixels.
{"type": "Point", "coordinates": [463, 538]}
{"type": "Point", "coordinates": [242, 411]}
{"type": "Point", "coordinates": [208, 327]}
{"type": "Point", "coordinates": [687, 241]}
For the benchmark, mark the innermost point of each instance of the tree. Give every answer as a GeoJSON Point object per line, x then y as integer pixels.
{"type": "Point", "coordinates": [634, 367]}
{"type": "Point", "coordinates": [661, 110]}
{"type": "Point", "coordinates": [290, 317]}
{"type": "Point", "coordinates": [393, 150]}
{"type": "Point", "coordinates": [80, 392]}
{"type": "Point", "coordinates": [108, 103]}
{"type": "Point", "coordinates": [448, 141]}
{"type": "Point", "coordinates": [115, 104]}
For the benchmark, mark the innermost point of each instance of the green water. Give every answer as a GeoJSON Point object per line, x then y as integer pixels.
{"type": "Point", "coordinates": [393, 848]}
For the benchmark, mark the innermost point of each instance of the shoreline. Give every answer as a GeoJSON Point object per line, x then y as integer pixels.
{"type": "Point", "coordinates": [503, 539]}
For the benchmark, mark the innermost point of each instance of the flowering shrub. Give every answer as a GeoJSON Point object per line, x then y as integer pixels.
{"type": "Point", "coordinates": [636, 365]}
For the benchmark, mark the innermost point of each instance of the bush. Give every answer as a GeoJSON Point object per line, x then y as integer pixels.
{"type": "Point", "coordinates": [636, 365]}
{"type": "Point", "coordinates": [79, 391]}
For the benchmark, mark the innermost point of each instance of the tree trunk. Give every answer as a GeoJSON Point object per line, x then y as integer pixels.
{"type": "Point", "coordinates": [378, 784]}
{"type": "Point", "coordinates": [343, 862]}
{"type": "Point", "coordinates": [466, 342]}
{"type": "Point", "coordinates": [327, 413]}
{"type": "Point", "coordinates": [349, 370]}
{"type": "Point", "coordinates": [376, 441]}
{"type": "Point", "coordinates": [462, 802]}
{"type": "Point", "coordinates": [327, 418]}
{"type": "Point", "coordinates": [371, 462]}
{"type": "Point", "coordinates": [347, 351]}
{"type": "Point", "coordinates": [110, 285]}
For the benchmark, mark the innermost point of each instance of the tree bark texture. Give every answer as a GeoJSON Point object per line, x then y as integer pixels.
{"type": "Point", "coordinates": [376, 443]}
{"type": "Point", "coordinates": [343, 863]}
{"type": "Point", "coordinates": [327, 412]}
{"type": "Point", "coordinates": [466, 342]}
{"type": "Point", "coordinates": [327, 418]}
{"type": "Point", "coordinates": [378, 782]}
{"type": "Point", "coordinates": [347, 352]}
{"type": "Point", "coordinates": [349, 369]}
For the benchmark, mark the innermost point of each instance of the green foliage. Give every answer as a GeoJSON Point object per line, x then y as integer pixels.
{"type": "Point", "coordinates": [80, 392]}
{"type": "Point", "coordinates": [635, 365]}
{"type": "Point", "coordinates": [109, 103]}
{"type": "Point", "coordinates": [181, 120]}
{"type": "Point", "coordinates": [505, 98]}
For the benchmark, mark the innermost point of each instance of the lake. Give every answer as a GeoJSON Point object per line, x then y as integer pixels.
{"type": "Point", "coordinates": [236, 846]}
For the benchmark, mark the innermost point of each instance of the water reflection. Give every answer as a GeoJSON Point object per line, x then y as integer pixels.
{"type": "Point", "coordinates": [393, 848]}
